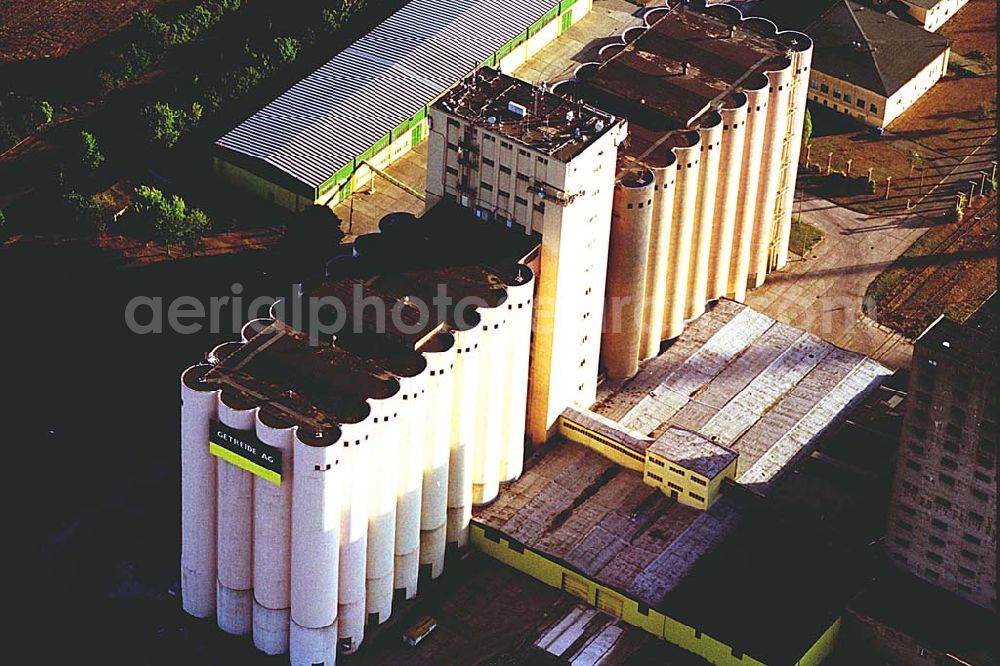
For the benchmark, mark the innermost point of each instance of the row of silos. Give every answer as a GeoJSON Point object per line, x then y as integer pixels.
{"type": "Point", "coordinates": [362, 507]}
{"type": "Point", "coordinates": [720, 215]}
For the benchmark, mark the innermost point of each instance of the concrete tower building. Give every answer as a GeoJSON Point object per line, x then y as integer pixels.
{"type": "Point", "coordinates": [943, 511]}
{"type": "Point", "coordinates": [536, 162]}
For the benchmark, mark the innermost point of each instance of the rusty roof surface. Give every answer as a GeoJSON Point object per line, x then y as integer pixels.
{"type": "Point", "coordinates": [746, 382]}
{"type": "Point", "coordinates": [693, 451]}
{"type": "Point", "coordinates": [577, 507]}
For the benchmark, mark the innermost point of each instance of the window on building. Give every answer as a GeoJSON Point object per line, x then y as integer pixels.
{"type": "Point", "coordinates": [539, 206]}
{"type": "Point", "coordinates": [872, 108]}
{"type": "Point", "coordinates": [491, 534]}
{"type": "Point", "coordinates": [823, 88]}
{"type": "Point", "coordinates": [969, 555]}
{"type": "Point", "coordinates": [942, 502]}
{"type": "Point", "coordinates": [979, 494]}
{"type": "Point", "coordinates": [837, 94]}
{"type": "Point", "coordinates": [522, 177]}
{"type": "Point", "coordinates": [934, 557]}
{"type": "Point", "coordinates": [949, 463]}
{"type": "Point", "coordinates": [504, 170]}
{"type": "Point", "coordinates": [968, 573]}
{"type": "Point", "coordinates": [930, 573]}
{"type": "Point", "coordinates": [700, 482]}
{"type": "Point", "coordinates": [861, 103]}
{"type": "Point", "coordinates": [521, 200]}
{"type": "Point", "coordinates": [813, 84]}
{"type": "Point", "coordinates": [515, 546]}
{"type": "Point", "coordinates": [904, 525]}
{"type": "Point", "coordinates": [847, 98]}
{"type": "Point", "coordinates": [696, 496]}
{"type": "Point", "coordinates": [975, 519]}
{"type": "Point", "coordinates": [488, 162]}
{"type": "Point", "coordinates": [486, 187]}
{"type": "Point", "coordinates": [937, 541]}
{"type": "Point", "coordinates": [453, 123]}
{"type": "Point", "coordinates": [939, 524]}
{"type": "Point", "coordinates": [946, 480]}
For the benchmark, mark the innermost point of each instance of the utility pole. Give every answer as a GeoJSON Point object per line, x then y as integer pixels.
{"type": "Point", "coordinates": [849, 162]}
{"type": "Point", "coordinates": [982, 187]}
{"type": "Point", "coordinates": [972, 190]}
{"type": "Point", "coordinates": [888, 183]}
{"type": "Point", "coordinates": [829, 163]}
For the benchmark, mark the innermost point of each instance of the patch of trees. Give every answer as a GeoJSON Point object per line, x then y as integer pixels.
{"type": "Point", "coordinates": [21, 116]}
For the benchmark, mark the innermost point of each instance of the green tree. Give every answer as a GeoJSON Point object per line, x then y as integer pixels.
{"type": "Point", "coordinates": [8, 137]}
{"type": "Point", "coordinates": [3, 220]}
{"type": "Point", "coordinates": [43, 113]}
{"type": "Point", "coordinates": [287, 49]}
{"type": "Point", "coordinates": [89, 155]}
{"type": "Point", "coordinates": [162, 124]}
{"type": "Point", "coordinates": [169, 218]}
{"type": "Point", "coordinates": [807, 128]}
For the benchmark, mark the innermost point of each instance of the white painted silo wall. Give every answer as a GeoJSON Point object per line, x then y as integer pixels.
{"type": "Point", "coordinates": [198, 473]}
{"type": "Point", "coordinates": [272, 541]}
{"type": "Point", "coordinates": [801, 62]}
{"type": "Point", "coordinates": [730, 166]}
{"type": "Point", "coordinates": [437, 417]}
{"type": "Point", "coordinates": [746, 205]}
{"type": "Point", "coordinates": [353, 534]}
{"type": "Point", "coordinates": [701, 242]}
{"type": "Point", "coordinates": [316, 524]}
{"type": "Point", "coordinates": [410, 470]}
{"type": "Point", "coordinates": [766, 226]}
{"type": "Point", "coordinates": [519, 301]}
{"type": "Point", "coordinates": [467, 386]}
{"type": "Point", "coordinates": [631, 226]}
{"type": "Point", "coordinates": [235, 531]}
{"type": "Point", "coordinates": [656, 265]}
{"type": "Point", "coordinates": [486, 444]}
{"type": "Point", "coordinates": [681, 235]}
{"type": "Point", "coordinates": [384, 454]}
{"type": "Point", "coordinates": [309, 647]}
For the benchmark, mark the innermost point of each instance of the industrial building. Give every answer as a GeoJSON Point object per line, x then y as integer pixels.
{"type": "Point", "coordinates": [590, 221]}
{"type": "Point", "coordinates": [694, 205]}
{"type": "Point", "coordinates": [320, 479]}
{"type": "Point", "coordinates": [943, 512]}
{"type": "Point", "coordinates": [871, 66]}
{"type": "Point", "coordinates": [366, 107]}
{"type": "Point", "coordinates": [932, 14]}
{"type": "Point", "coordinates": [737, 392]}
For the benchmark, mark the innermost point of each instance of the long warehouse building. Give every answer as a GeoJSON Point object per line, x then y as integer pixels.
{"type": "Point", "coordinates": [366, 107]}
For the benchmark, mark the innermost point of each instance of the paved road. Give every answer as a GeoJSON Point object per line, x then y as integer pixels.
{"type": "Point", "coordinates": [823, 292]}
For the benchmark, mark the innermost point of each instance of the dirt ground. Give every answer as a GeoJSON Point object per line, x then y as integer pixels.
{"type": "Point", "coordinates": [974, 28]}
{"type": "Point", "coordinates": [950, 269]}
{"type": "Point", "coordinates": [943, 127]}
{"type": "Point", "coordinates": [53, 28]}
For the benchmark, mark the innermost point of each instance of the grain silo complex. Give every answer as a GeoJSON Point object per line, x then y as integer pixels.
{"type": "Point", "coordinates": [589, 221]}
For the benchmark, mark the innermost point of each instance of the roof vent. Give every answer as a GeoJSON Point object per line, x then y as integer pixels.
{"type": "Point", "coordinates": [517, 109]}
{"type": "Point", "coordinates": [492, 120]}
{"type": "Point", "coordinates": [570, 116]}
{"type": "Point", "coordinates": [599, 126]}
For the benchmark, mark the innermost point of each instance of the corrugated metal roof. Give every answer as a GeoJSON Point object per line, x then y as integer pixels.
{"type": "Point", "coordinates": [344, 107]}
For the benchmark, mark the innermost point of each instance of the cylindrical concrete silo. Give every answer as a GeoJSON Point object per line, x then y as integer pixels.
{"type": "Point", "coordinates": [353, 535]}
{"type": "Point", "coordinates": [272, 539]}
{"type": "Point", "coordinates": [519, 303]}
{"type": "Point", "coordinates": [235, 524]}
{"type": "Point", "coordinates": [486, 443]}
{"type": "Point", "coordinates": [382, 490]}
{"type": "Point", "coordinates": [199, 405]}
{"type": "Point", "coordinates": [467, 383]}
{"type": "Point", "coordinates": [701, 243]}
{"type": "Point", "coordinates": [734, 119]}
{"type": "Point", "coordinates": [437, 453]}
{"type": "Point", "coordinates": [656, 263]}
{"type": "Point", "coordinates": [316, 516]}
{"type": "Point", "coordinates": [410, 470]}
{"type": "Point", "coordinates": [631, 225]}
{"type": "Point", "coordinates": [765, 231]}
{"type": "Point", "coordinates": [801, 47]}
{"type": "Point", "coordinates": [681, 234]}
{"type": "Point", "coordinates": [756, 89]}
